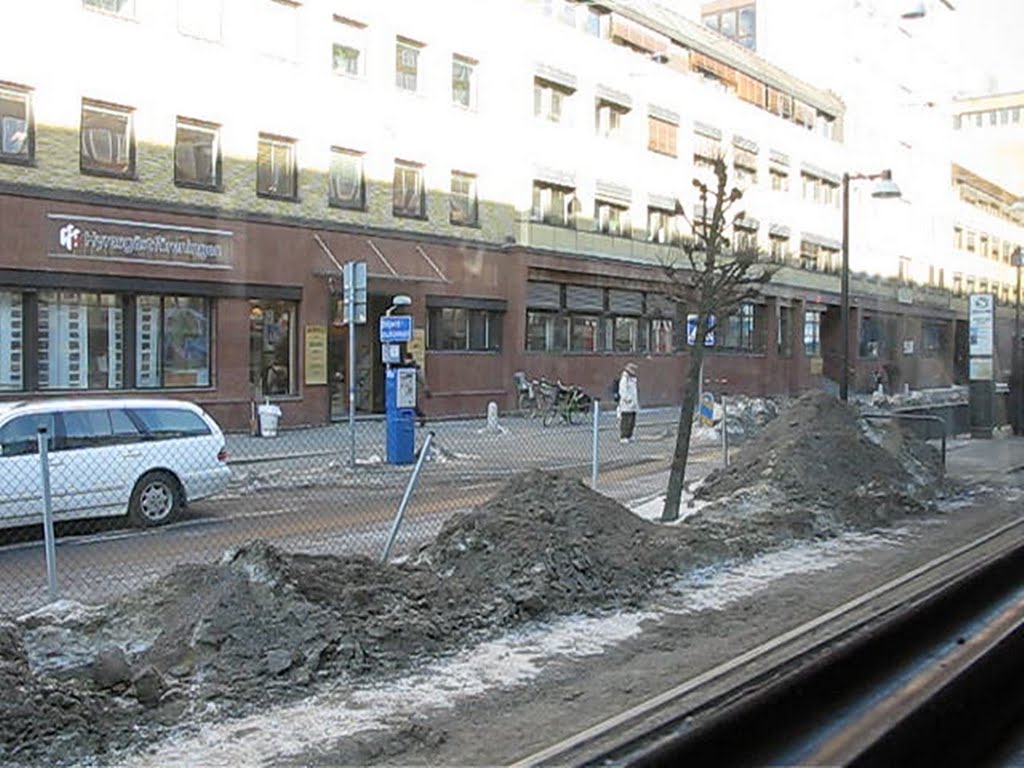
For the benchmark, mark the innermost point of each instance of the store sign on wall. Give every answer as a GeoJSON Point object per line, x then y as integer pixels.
{"type": "Point", "coordinates": [89, 237]}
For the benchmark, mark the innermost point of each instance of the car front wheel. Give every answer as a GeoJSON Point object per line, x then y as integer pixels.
{"type": "Point", "coordinates": [156, 500]}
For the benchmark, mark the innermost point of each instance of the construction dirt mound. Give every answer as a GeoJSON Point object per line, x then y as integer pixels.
{"type": "Point", "coordinates": [264, 625]}
{"type": "Point", "coordinates": [823, 468]}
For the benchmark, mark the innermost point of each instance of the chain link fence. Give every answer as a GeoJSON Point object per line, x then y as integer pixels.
{"type": "Point", "coordinates": [298, 490]}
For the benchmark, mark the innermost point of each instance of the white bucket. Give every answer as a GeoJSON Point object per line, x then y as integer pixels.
{"type": "Point", "coordinates": [269, 416]}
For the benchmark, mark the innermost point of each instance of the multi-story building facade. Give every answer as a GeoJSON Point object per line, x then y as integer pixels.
{"type": "Point", "coordinates": [180, 183]}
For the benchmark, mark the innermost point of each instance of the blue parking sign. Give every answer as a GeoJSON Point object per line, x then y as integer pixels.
{"type": "Point", "coordinates": [395, 329]}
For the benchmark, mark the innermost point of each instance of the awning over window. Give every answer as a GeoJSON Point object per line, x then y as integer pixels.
{"type": "Point", "coordinates": [386, 258]}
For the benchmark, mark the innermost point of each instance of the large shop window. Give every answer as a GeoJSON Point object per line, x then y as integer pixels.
{"type": "Point", "coordinates": [172, 342]}
{"type": "Point", "coordinates": [576, 318]}
{"type": "Point", "coordinates": [463, 330]}
{"type": "Point", "coordinates": [744, 329]}
{"type": "Point", "coordinates": [11, 341]}
{"type": "Point", "coordinates": [81, 340]}
{"type": "Point", "coordinates": [17, 132]}
{"type": "Point", "coordinates": [272, 347]}
{"type": "Point", "coordinates": [812, 333]}
{"type": "Point", "coordinates": [876, 335]}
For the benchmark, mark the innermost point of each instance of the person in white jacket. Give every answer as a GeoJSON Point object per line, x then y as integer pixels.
{"type": "Point", "coordinates": [629, 403]}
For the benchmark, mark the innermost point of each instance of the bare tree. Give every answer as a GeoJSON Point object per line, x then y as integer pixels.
{"type": "Point", "coordinates": [712, 281]}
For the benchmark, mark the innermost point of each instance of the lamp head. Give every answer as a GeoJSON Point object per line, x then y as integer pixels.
{"type": "Point", "coordinates": [885, 187]}
{"type": "Point", "coordinates": [1017, 206]}
{"type": "Point", "coordinates": [401, 300]}
{"type": "Point", "coordinates": [914, 9]}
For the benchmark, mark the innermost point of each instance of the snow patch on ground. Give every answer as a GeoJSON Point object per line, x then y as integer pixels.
{"type": "Point", "coordinates": [651, 509]}
{"type": "Point", "coordinates": [716, 587]}
{"type": "Point", "coordinates": [348, 709]}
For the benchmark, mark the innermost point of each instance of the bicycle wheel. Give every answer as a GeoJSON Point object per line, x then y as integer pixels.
{"type": "Point", "coordinates": [574, 411]}
{"type": "Point", "coordinates": [527, 405]}
{"type": "Point", "coordinates": [551, 414]}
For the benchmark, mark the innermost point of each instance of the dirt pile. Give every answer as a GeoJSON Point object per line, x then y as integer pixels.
{"type": "Point", "coordinates": [263, 625]}
{"type": "Point", "coordinates": [818, 468]}
{"type": "Point", "coordinates": [548, 543]}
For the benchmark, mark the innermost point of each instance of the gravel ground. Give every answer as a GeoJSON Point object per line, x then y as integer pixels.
{"type": "Point", "coordinates": [264, 628]}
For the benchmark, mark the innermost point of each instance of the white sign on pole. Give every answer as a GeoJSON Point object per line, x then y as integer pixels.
{"type": "Point", "coordinates": [355, 291]}
{"type": "Point", "coordinates": [981, 321]}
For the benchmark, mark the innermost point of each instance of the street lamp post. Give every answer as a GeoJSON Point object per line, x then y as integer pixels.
{"type": "Point", "coordinates": [885, 187]}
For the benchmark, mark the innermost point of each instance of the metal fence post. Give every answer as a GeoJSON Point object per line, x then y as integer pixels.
{"type": "Point", "coordinates": [51, 551]}
{"type": "Point", "coordinates": [595, 440]}
{"type": "Point", "coordinates": [725, 434]}
{"type": "Point", "coordinates": [405, 498]}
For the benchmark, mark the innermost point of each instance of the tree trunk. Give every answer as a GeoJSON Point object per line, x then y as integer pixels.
{"type": "Point", "coordinates": [682, 451]}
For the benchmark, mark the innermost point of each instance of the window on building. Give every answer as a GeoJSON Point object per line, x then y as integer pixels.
{"type": "Point", "coordinates": [609, 119]}
{"type": "Point", "coordinates": [778, 246]}
{"type": "Point", "coordinates": [408, 193]}
{"type": "Point", "coordinates": [542, 332]}
{"type": "Point", "coordinates": [278, 31]}
{"type": "Point", "coordinates": [550, 100]}
{"type": "Point", "coordinates": [744, 238]}
{"type": "Point", "coordinates": [809, 186]}
{"type": "Point", "coordinates": [958, 238]}
{"type": "Point", "coordinates": [812, 333]}
{"type": "Point", "coordinates": [741, 330]}
{"type": "Point", "coordinates": [875, 338]}
{"type": "Point", "coordinates": [662, 336]}
{"type": "Point", "coordinates": [125, 8]}
{"type": "Point", "coordinates": [347, 182]}
{"type": "Point", "coordinates": [276, 169]}
{"type": "Point", "coordinates": [464, 81]}
{"type": "Point", "coordinates": [663, 226]}
{"type": "Point", "coordinates": [983, 245]}
{"type": "Point", "coordinates": [784, 332]}
{"type": "Point", "coordinates": [828, 259]}
{"type": "Point", "coordinates": [272, 347]}
{"type": "Point", "coordinates": [830, 193]}
{"type": "Point", "coordinates": [107, 140]}
{"type": "Point", "coordinates": [407, 64]}
{"type": "Point", "coordinates": [348, 50]}
{"type": "Point", "coordinates": [970, 240]}
{"type": "Point", "coordinates": [662, 136]}
{"type": "Point", "coordinates": [17, 127]}
{"type": "Point", "coordinates": [612, 218]}
{"type": "Point", "coordinates": [172, 341]}
{"type": "Point", "coordinates": [463, 330]}
{"type": "Point", "coordinates": [809, 253]}
{"type": "Point", "coordinates": [583, 333]}
{"type": "Point", "coordinates": [200, 18]}
{"type": "Point", "coordinates": [81, 338]}
{"type": "Point", "coordinates": [958, 284]}
{"type": "Point", "coordinates": [12, 335]}
{"type": "Point", "coordinates": [744, 167]}
{"type": "Point", "coordinates": [598, 22]}
{"type": "Point", "coordinates": [463, 207]}
{"type": "Point", "coordinates": [197, 159]}
{"type": "Point", "coordinates": [551, 204]}
{"type": "Point", "coordinates": [739, 24]}
{"type": "Point", "coordinates": [779, 180]}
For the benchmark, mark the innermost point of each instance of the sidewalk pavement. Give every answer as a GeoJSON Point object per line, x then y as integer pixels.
{"type": "Point", "coordinates": [999, 459]}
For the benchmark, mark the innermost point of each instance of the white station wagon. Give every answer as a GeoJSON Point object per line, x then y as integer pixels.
{"type": "Point", "coordinates": [146, 457]}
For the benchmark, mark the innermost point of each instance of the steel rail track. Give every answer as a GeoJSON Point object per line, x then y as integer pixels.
{"type": "Point", "coordinates": [873, 680]}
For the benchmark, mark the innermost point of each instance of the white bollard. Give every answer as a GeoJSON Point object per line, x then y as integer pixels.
{"type": "Point", "coordinates": [492, 416]}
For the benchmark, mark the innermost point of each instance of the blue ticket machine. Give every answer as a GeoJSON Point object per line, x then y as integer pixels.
{"type": "Point", "coordinates": [400, 407]}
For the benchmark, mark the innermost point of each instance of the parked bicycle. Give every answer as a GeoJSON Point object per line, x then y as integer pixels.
{"type": "Point", "coordinates": [568, 404]}
{"type": "Point", "coordinates": [533, 396]}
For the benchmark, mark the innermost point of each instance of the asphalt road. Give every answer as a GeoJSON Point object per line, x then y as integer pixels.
{"type": "Point", "coordinates": [298, 493]}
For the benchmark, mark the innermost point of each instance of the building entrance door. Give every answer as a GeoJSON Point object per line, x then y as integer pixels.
{"type": "Point", "coordinates": [369, 370]}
